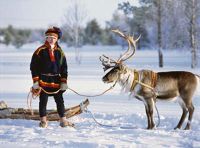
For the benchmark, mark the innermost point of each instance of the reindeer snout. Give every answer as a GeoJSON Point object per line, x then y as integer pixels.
{"type": "Point", "coordinates": [104, 79]}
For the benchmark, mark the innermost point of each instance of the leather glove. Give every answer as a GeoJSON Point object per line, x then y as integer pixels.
{"type": "Point", "coordinates": [63, 86]}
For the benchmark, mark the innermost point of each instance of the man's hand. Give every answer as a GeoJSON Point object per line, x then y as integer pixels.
{"type": "Point", "coordinates": [63, 86]}
{"type": "Point", "coordinates": [36, 85]}
{"type": "Point", "coordinates": [36, 88]}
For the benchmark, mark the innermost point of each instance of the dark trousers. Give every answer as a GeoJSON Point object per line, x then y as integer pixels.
{"type": "Point", "coordinates": [59, 103]}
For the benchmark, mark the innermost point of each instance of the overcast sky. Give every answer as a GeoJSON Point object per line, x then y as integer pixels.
{"type": "Point", "coordinates": [43, 13]}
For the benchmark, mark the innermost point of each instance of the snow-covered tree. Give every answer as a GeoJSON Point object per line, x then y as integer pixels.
{"type": "Point", "coordinates": [74, 21]}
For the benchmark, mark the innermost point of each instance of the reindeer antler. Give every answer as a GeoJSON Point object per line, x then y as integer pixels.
{"type": "Point", "coordinates": [107, 62]}
{"type": "Point", "coordinates": [131, 45]}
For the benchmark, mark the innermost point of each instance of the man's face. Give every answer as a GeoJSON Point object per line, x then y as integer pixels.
{"type": "Point", "coordinates": [51, 39]}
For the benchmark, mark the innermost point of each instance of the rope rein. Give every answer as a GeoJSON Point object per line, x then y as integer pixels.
{"type": "Point", "coordinates": [93, 95]}
{"type": "Point", "coordinates": [105, 125]}
{"type": "Point", "coordinates": [35, 95]}
{"type": "Point", "coordinates": [50, 93]}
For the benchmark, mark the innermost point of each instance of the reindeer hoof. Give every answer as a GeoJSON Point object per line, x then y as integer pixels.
{"type": "Point", "coordinates": [176, 128]}
{"type": "Point", "coordinates": [187, 128]}
{"type": "Point", "coordinates": [150, 128]}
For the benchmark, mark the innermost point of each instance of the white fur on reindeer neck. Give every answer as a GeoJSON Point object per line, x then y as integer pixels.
{"type": "Point", "coordinates": [126, 79]}
{"type": "Point", "coordinates": [130, 78]}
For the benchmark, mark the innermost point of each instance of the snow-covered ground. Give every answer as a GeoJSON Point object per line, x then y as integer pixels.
{"type": "Point", "coordinates": [113, 108]}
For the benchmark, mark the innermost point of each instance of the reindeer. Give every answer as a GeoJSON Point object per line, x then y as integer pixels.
{"type": "Point", "coordinates": [148, 86]}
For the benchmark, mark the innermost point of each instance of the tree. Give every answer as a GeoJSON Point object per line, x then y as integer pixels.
{"type": "Point", "coordinates": [107, 37]}
{"type": "Point", "coordinates": [174, 25]}
{"type": "Point", "coordinates": [7, 37]}
{"type": "Point", "coordinates": [16, 37]}
{"type": "Point", "coordinates": [136, 20]}
{"type": "Point", "coordinates": [191, 13]}
{"type": "Point", "coordinates": [160, 54]}
{"type": "Point", "coordinates": [21, 37]}
{"type": "Point", "coordinates": [74, 18]}
{"type": "Point", "coordinates": [118, 21]}
{"type": "Point", "coordinates": [157, 4]}
{"type": "Point", "coordinates": [93, 32]}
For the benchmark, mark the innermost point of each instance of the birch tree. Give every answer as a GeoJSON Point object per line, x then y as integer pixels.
{"type": "Point", "coordinates": [74, 20]}
{"type": "Point", "coordinates": [159, 25]}
{"type": "Point", "coordinates": [157, 16]}
{"type": "Point", "coordinates": [136, 20]}
{"type": "Point", "coordinates": [191, 13]}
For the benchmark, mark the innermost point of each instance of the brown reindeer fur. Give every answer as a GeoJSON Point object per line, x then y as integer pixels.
{"type": "Point", "coordinates": [166, 86]}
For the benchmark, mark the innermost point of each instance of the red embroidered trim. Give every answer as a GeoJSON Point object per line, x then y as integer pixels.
{"type": "Point", "coordinates": [35, 79]}
{"type": "Point", "coordinates": [51, 54]}
{"type": "Point", "coordinates": [63, 80]}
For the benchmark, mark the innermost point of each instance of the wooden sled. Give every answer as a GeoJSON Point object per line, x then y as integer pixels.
{"type": "Point", "coordinates": [52, 115]}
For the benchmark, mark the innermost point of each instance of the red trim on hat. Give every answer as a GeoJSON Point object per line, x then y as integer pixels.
{"type": "Point", "coordinates": [52, 34]}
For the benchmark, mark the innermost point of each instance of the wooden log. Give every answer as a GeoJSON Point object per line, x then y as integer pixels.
{"type": "Point", "coordinates": [52, 115]}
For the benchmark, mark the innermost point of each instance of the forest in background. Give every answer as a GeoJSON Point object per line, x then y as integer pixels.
{"type": "Point", "coordinates": [162, 24]}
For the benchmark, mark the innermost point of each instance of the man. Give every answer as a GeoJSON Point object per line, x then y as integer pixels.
{"type": "Point", "coordinates": [49, 73]}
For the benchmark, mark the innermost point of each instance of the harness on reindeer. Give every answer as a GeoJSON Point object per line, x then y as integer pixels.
{"type": "Point", "coordinates": [28, 114]}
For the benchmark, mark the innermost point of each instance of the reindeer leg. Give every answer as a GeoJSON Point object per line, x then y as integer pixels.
{"type": "Point", "coordinates": [148, 117]}
{"type": "Point", "coordinates": [191, 110]}
{"type": "Point", "coordinates": [185, 111]}
{"type": "Point", "coordinates": [150, 104]}
{"type": "Point", "coordinates": [182, 119]}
